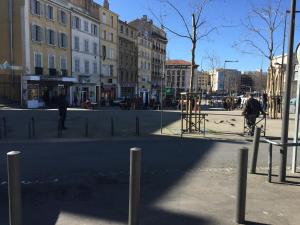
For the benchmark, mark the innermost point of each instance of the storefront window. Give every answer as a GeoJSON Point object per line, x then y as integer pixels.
{"type": "Point", "coordinates": [33, 92]}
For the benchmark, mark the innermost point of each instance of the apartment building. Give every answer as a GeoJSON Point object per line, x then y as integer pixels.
{"type": "Point", "coordinates": [226, 81]}
{"type": "Point", "coordinates": [108, 52]}
{"type": "Point", "coordinates": [203, 81]}
{"type": "Point", "coordinates": [157, 36]}
{"type": "Point", "coordinates": [178, 73]}
{"type": "Point", "coordinates": [128, 61]}
{"type": "Point", "coordinates": [42, 48]}
{"type": "Point", "coordinates": [85, 51]}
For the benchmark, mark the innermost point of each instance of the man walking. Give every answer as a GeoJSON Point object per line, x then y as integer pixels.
{"type": "Point", "coordinates": [251, 112]}
{"type": "Point", "coordinates": [62, 108]}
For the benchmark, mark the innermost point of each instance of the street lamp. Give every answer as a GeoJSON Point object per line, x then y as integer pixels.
{"type": "Point", "coordinates": [228, 61]}
{"type": "Point", "coordinates": [161, 96]}
{"type": "Point", "coordinates": [287, 96]}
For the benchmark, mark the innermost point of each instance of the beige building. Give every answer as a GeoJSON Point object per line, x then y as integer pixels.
{"type": "Point", "coordinates": [108, 52]}
{"type": "Point", "coordinates": [149, 32]}
{"type": "Point", "coordinates": [203, 81]}
{"type": "Point", "coordinates": [226, 81]}
{"type": "Point", "coordinates": [43, 43]}
{"type": "Point", "coordinates": [128, 61]}
{"type": "Point", "coordinates": [178, 73]}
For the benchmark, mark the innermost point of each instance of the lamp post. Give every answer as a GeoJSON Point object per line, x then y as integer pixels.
{"type": "Point", "coordinates": [161, 96]}
{"type": "Point", "coordinates": [228, 61]}
{"type": "Point", "coordinates": [287, 95]}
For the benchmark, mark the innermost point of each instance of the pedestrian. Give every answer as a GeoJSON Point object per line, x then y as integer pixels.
{"type": "Point", "coordinates": [251, 111]}
{"type": "Point", "coordinates": [62, 108]}
{"type": "Point", "coordinates": [265, 101]}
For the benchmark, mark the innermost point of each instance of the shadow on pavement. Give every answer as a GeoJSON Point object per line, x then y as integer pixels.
{"type": "Point", "coordinates": [90, 180]}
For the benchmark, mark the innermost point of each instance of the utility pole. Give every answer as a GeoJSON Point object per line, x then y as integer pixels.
{"type": "Point", "coordinates": [287, 96]}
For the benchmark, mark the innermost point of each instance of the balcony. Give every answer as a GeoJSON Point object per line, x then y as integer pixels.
{"type": "Point", "coordinates": [38, 70]}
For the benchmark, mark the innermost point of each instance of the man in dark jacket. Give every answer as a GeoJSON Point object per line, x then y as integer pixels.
{"type": "Point", "coordinates": [62, 108]}
{"type": "Point", "coordinates": [251, 112]}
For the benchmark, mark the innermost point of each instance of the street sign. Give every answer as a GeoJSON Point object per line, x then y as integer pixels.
{"type": "Point", "coordinates": [7, 66]}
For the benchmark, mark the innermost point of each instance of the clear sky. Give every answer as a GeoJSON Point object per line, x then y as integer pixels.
{"type": "Point", "coordinates": [225, 15]}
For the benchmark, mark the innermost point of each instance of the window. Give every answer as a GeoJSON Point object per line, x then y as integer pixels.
{"type": "Point", "coordinates": [36, 7]}
{"type": "Point", "coordinates": [131, 33]}
{"type": "Point", "coordinates": [62, 17]}
{"type": "Point", "coordinates": [86, 26]}
{"type": "Point", "coordinates": [95, 66]}
{"type": "Point", "coordinates": [94, 29]}
{"type": "Point", "coordinates": [183, 72]}
{"type": "Point", "coordinates": [86, 66]}
{"type": "Point", "coordinates": [104, 18]}
{"type": "Point", "coordinates": [111, 70]}
{"type": "Point", "coordinates": [63, 63]}
{"type": "Point", "coordinates": [103, 52]}
{"type": "Point", "coordinates": [104, 34]}
{"type": "Point", "coordinates": [51, 61]}
{"type": "Point", "coordinates": [62, 40]}
{"type": "Point", "coordinates": [37, 33]}
{"type": "Point", "coordinates": [76, 23]}
{"type": "Point", "coordinates": [112, 37]}
{"type": "Point", "coordinates": [50, 37]}
{"type": "Point", "coordinates": [122, 29]}
{"type": "Point", "coordinates": [49, 12]}
{"type": "Point", "coordinates": [95, 48]}
{"type": "Point", "coordinates": [112, 21]}
{"type": "Point", "coordinates": [126, 31]}
{"type": "Point", "coordinates": [38, 62]}
{"type": "Point", "coordinates": [76, 43]}
{"type": "Point", "coordinates": [178, 72]}
{"type": "Point", "coordinates": [86, 45]}
{"type": "Point", "coordinates": [77, 65]}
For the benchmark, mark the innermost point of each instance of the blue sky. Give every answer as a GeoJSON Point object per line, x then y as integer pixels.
{"type": "Point", "coordinates": [225, 15]}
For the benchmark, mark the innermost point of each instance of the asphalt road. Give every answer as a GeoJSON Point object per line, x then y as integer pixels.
{"type": "Point", "coordinates": [89, 179]}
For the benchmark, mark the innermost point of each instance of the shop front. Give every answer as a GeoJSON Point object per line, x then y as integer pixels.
{"type": "Point", "coordinates": [108, 94]}
{"type": "Point", "coordinates": [39, 91]}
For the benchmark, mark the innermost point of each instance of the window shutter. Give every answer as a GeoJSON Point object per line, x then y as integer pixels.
{"type": "Point", "coordinates": [66, 40]}
{"type": "Point", "coordinates": [58, 15]}
{"type": "Point", "coordinates": [33, 32]}
{"type": "Point", "coordinates": [42, 33]}
{"type": "Point", "coordinates": [54, 38]}
{"type": "Point", "coordinates": [42, 9]}
{"type": "Point", "coordinates": [32, 6]}
{"type": "Point", "coordinates": [58, 39]}
{"type": "Point", "coordinates": [46, 11]}
{"type": "Point", "coordinates": [74, 22]}
{"type": "Point", "coordinates": [79, 23]}
{"type": "Point", "coordinates": [47, 34]}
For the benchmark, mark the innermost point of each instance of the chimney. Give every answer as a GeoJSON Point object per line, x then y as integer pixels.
{"type": "Point", "coordinates": [106, 4]}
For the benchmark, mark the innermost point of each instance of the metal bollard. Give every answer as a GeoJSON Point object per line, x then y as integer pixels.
{"type": "Point", "coordinates": [14, 188]}
{"type": "Point", "coordinates": [86, 127]}
{"type": "Point", "coordinates": [255, 149]}
{"type": "Point", "coordinates": [4, 127]}
{"type": "Point", "coordinates": [242, 185]}
{"type": "Point", "coordinates": [29, 129]}
{"type": "Point", "coordinates": [137, 126]}
{"type": "Point", "coordinates": [33, 126]}
{"type": "Point", "coordinates": [270, 163]}
{"type": "Point", "coordinates": [112, 126]}
{"type": "Point", "coordinates": [134, 185]}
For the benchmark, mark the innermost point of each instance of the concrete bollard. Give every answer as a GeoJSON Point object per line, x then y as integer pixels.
{"type": "Point", "coordinates": [14, 188]}
{"type": "Point", "coordinates": [4, 127]}
{"type": "Point", "coordinates": [137, 126]}
{"type": "Point", "coordinates": [86, 127]}
{"type": "Point", "coordinates": [255, 149]}
{"type": "Point", "coordinates": [134, 185]}
{"type": "Point", "coordinates": [33, 126]}
{"type": "Point", "coordinates": [112, 129]}
{"type": "Point", "coordinates": [242, 185]}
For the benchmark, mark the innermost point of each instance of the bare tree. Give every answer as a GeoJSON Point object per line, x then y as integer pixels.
{"type": "Point", "coordinates": [194, 32]}
{"type": "Point", "coordinates": [262, 24]}
{"type": "Point", "coordinates": [213, 63]}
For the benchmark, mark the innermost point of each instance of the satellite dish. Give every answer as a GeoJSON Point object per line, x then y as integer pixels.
{"type": "Point", "coordinates": [298, 52]}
